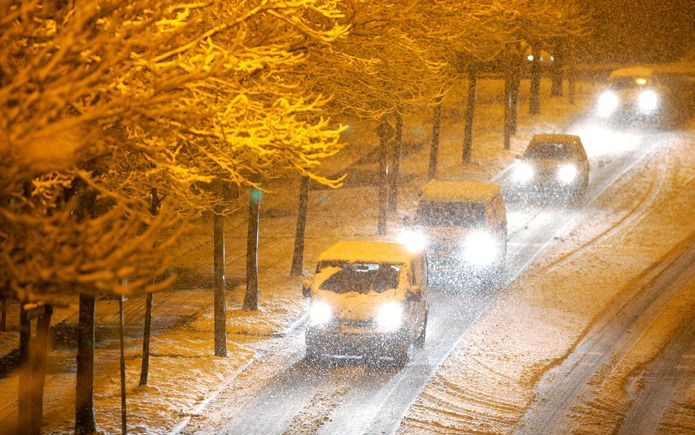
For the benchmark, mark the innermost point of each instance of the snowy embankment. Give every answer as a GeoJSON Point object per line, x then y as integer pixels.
{"type": "Point", "coordinates": [184, 375]}
{"type": "Point", "coordinates": [488, 382]}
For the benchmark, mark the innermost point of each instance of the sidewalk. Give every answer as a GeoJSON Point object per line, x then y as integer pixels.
{"type": "Point", "coordinates": [183, 372]}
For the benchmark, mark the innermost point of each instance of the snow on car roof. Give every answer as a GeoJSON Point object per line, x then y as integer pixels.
{"type": "Point", "coordinates": [367, 251]}
{"type": "Point", "coordinates": [459, 191]}
{"type": "Point", "coordinates": [636, 71]}
{"type": "Point", "coordinates": [556, 138]}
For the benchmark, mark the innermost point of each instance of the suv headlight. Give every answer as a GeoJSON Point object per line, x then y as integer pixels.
{"type": "Point", "coordinates": [390, 315]}
{"type": "Point", "coordinates": [607, 103]}
{"type": "Point", "coordinates": [320, 313]}
{"type": "Point", "coordinates": [567, 173]}
{"type": "Point", "coordinates": [647, 101]}
{"type": "Point", "coordinates": [480, 248]}
{"type": "Point", "coordinates": [523, 172]}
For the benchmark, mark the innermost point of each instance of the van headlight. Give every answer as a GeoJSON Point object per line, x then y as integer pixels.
{"type": "Point", "coordinates": [607, 103]}
{"type": "Point", "coordinates": [390, 315]}
{"type": "Point", "coordinates": [648, 101]}
{"type": "Point", "coordinates": [320, 313]}
{"type": "Point", "coordinates": [480, 248]}
{"type": "Point", "coordinates": [523, 172]}
{"type": "Point", "coordinates": [567, 173]}
{"type": "Point", "coordinates": [412, 240]}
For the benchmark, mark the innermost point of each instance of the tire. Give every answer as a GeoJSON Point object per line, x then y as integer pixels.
{"type": "Point", "coordinates": [400, 357]}
{"type": "Point", "coordinates": [312, 355]}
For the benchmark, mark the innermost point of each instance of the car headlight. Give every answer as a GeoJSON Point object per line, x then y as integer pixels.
{"type": "Point", "coordinates": [607, 103]}
{"type": "Point", "coordinates": [647, 101]}
{"type": "Point", "coordinates": [567, 173]}
{"type": "Point", "coordinates": [412, 240]}
{"type": "Point", "coordinates": [320, 313]}
{"type": "Point", "coordinates": [390, 315]}
{"type": "Point", "coordinates": [523, 172]}
{"type": "Point", "coordinates": [480, 248]}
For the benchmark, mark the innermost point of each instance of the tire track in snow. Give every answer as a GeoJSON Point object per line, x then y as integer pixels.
{"type": "Point", "coordinates": [609, 340]}
{"type": "Point", "coordinates": [664, 382]}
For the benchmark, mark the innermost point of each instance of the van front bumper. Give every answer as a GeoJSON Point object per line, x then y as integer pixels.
{"type": "Point", "coordinates": [332, 341]}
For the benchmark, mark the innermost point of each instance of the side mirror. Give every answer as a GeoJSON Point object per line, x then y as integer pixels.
{"type": "Point", "coordinates": [406, 220]}
{"type": "Point", "coordinates": [306, 288]}
{"type": "Point", "coordinates": [415, 295]}
{"type": "Point", "coordinates": [518, 156]}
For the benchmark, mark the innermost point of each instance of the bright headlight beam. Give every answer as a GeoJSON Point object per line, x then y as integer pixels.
{"type": "Point", "coordinates": [412, 240]}
{"type": "Point", "coordinates": [523, 172]}
{"type": "Point", "coordinates": [567, 173]}
{"type": "Point", "coordinates": [390, 315]}
{"type": "Point", "coordinates": [647, 101]}
{"type": "Point", "coordinates": [320, 313]}
{"type": "Point", "coordinates": [607, 103]}
{"type": "Point", "coordinates": [480, 249]}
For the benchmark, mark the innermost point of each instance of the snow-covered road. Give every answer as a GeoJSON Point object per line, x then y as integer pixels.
{"type": "Point", "coordinates": [612, 339]}
{"type": "Point", "coordinates": [354, 399]}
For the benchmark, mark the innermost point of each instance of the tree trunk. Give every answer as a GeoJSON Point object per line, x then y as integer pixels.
{"type": "Point", "coordinates": [251, 296]}
{"type": "Point", "coordinates": [124, 423]}
{"type": "Point", "coordinates": [470, 111]}
{"type": "Point", "coordinates": [3, 315]}
{"type": "Point", "coordinates": [38, 368]}
{"type": "Point", "coordinates": [508, 112]}
{"type": "Point", "coordinates": [396, 164]}
{"type": "Point", "coordinates": [572, 74]}
{"type": "Point", "coordinates": [24, 411]}
{"type": "Point", "coordinates": [556, 69]}
{"type": "Point", "coordinates": [434, 151]}
{"type": "Point", "coordinates": [382, 130]}
{"type": "Point", "coordinates": [534, 100]}
{"type": "Point", "coordinates": [516, 88]}
{"type": "Point", "coordinates": [84, 395]}
{"type": "Point", "coordinates": [219, 278]}
{"type": "Point", "coordinates": [298, 253]}
{"type": "Point", "coordinates": [147, 332]}
{"type": "Point", "coordinates": [155, 203]}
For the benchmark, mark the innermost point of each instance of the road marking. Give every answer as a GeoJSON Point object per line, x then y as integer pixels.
{"type": "Point", "coordinates": [684, 367]}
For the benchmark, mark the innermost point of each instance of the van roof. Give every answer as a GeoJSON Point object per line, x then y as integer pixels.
{"type": "Point", "coordinates": [368, 251]}
{"type": "Point", "coordinates": [460, 191]}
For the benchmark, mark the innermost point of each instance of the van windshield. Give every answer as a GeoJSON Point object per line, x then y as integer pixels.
{"type": "Point", "coordinates": [450, 214]}
{"type": "Point", "coordinates": [358, 277]}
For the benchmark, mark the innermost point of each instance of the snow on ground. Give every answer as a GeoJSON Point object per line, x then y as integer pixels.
{"type": "Point", "coordinates": [488, 381]}
{"type": "Point", "coordinates": [184, 376]}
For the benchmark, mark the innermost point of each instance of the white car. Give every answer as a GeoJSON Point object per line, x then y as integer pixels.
{"type": "Point", "coordinates": [367, 300]}
{"type": "Point", "coordinates": [463, 223]}
{"type": "Point", "coordinates": [631, 94]}
{"type": "Point", "coordinates": [553, 165]}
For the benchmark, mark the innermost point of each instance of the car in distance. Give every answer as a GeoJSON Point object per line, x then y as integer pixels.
{"type": "Point", "coordinates": [367, 300]}
{"type": "Point", "coordinates": [631, 94]}
{"type": "Point", "coordinates": [553, 165]}
{"type": "Point", "coordinates": [461, 224]}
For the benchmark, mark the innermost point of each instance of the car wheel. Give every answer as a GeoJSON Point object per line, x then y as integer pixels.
{"type": "Point", "coordinates": [400, 357]}
{"type": "Point", "coordinates": [312, 355]}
